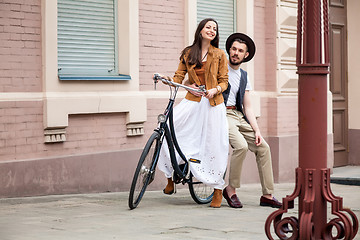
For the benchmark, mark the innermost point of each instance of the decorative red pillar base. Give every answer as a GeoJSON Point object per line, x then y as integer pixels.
{"type": "Point", "coordinates": [345, 221]}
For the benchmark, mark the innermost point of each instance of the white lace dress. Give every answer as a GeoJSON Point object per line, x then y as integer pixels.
{"type": "Point", "coordinates": [202, 133]}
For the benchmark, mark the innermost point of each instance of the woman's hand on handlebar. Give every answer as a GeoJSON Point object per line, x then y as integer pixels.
{"type": "Point", "coordinates": [194, 85]}
{"type": "Point", "coordinates": [158, 76]}
{"type": "Point", "coordinates": [167, 78]}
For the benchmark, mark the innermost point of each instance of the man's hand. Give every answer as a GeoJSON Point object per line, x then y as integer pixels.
{"type": "Point", "coordinates": [258, 138]}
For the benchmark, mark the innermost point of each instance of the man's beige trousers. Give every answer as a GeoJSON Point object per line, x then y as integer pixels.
{"type": "Point", "coordinates": [242, 138]}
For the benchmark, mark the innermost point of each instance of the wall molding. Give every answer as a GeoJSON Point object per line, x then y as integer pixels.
{"type": "Point", "coordinates": [21, 96]}
{"type": "Point", "coordinates": [286, 50]}
{"type": "Point", "coordinates": [58, 107]}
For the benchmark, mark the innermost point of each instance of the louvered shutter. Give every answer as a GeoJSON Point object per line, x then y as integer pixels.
{"type": "Point", "coordinates": [86, 37]}
{"type": "Point", "coordinates": [223, 11]}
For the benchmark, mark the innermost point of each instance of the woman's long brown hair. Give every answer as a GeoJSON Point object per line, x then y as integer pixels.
{"type": "Point", "coordinates": [195, 49]}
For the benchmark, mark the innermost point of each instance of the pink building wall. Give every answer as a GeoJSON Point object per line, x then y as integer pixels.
{"type": "Point", "coordinates": [20, 71]}
{"type": "Point", "coordinates": [97, 155]}
{"type": "Point", "coordinates": [279, 115]}
{"type": "Point", "coordinates": [97, 146]}
{"type": "Point", "coordinates": [20, 46]}
{"type": "Point", "coordinates": [162, 29]}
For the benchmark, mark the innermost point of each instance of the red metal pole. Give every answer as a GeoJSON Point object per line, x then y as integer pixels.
{"type": "Point", "coordinates": [312, 176]}
{"type": "Point", "coordinates": [312, 123]}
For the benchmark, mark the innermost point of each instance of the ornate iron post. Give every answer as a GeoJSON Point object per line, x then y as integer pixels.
{"type": "Point", "coordinates": [312, 176]}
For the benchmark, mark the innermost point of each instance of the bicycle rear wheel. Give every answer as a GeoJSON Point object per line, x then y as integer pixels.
{"type": "Point", "coordinates": [145, 170]}
{"type": "Point", "coordinates": [200, 192]}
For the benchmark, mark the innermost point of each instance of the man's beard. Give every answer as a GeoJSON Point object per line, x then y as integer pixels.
{"type": "Point", "coordinates": [235, 63]}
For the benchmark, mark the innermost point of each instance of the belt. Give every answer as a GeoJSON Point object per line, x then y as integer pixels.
{"type": "Point", "coordinates": [230, 107]}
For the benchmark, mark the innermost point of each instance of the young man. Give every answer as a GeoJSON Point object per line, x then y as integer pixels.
{"type": "Point", "coordinates": [244, 132]}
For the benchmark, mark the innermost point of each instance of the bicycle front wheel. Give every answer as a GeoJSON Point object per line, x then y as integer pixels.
{"type": "Point", "coordinates": [145, 170]}
{"type": "Point", "coordinates": [200, 192]}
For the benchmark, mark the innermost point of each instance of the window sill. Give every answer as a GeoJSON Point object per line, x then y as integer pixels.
{"type": "Point", "coordinates": [120, 77]}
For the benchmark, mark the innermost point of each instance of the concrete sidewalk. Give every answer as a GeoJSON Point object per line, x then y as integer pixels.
{"type": "Point", "coordinates": [106, 216]}
{"type": "Point", "coordinates": [348, 175]}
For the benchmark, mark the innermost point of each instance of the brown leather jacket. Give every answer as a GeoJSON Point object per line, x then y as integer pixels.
{"type": "Point", "coordinates": [216, 73]}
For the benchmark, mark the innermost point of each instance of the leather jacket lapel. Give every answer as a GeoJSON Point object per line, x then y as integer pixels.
{"type": "Point", "coordinates": [192, 74]}
{"type": "Point", "coordinates": [209, 61]}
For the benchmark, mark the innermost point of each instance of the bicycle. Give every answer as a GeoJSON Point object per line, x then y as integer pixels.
{"type": "Point", "coordinates": [145, 170]}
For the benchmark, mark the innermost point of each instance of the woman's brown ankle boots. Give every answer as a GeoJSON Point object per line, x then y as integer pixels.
{"type": "Point", "coordinates": [169, 189]}
{"type": "Point", "coordinates": [217, 199]}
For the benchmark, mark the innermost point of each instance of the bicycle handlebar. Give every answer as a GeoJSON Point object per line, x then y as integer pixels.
{"type": "Point", "coordinates": [175, 84]}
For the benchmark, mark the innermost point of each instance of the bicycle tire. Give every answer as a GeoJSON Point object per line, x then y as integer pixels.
{"type": "Point", "coordinates": [145, 170]}
{"type": "Point", "coordinates": [200, 192]}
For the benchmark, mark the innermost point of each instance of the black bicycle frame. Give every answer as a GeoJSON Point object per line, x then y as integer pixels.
{"type": "Point", "coordinates": [171, 139]}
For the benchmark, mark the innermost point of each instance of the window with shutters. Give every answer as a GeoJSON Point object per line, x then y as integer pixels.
{"type": "Point", "coordinates": [87, 40]}
{"type": "Point", "coordinates": [223, 11]}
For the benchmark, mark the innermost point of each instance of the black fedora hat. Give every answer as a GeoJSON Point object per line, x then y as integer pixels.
{"type": "Point", "coordinates": [249, 43]}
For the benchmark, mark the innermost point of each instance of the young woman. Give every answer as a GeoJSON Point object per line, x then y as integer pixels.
{"type": "Point", "coordinates": [200, 119]}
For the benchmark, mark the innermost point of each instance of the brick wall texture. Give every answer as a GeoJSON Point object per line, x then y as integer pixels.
{"type": "Point", "coordinates": [20, 46]}
{"type": "Point", "coordinates": [20, 129]}
{"type": "Point", "coordinates": [161, 38]}
{"type": "Point", "coordinates": [21, 123]}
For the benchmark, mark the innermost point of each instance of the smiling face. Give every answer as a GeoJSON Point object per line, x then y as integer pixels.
{"type": "Point", "coordinates": [209, 31]}
{"type": "Point", "coordinates": [237, 53]}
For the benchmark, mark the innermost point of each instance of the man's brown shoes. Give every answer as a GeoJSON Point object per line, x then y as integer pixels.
{"type": "Point", "coordinates": [265, 202]}
{"type": "Point", "coordinates": [233, 201]}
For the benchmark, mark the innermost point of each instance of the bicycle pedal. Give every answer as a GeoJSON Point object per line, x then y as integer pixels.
{"type": "Point", "coordinates": [185, 181]}
{"type": "Point", "coordinates": [193, 160]}
{"type": "Point", "coordinates": [175, 178]}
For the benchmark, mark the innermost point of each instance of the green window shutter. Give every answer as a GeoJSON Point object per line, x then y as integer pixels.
{"type": "Point", "coordinates": [223, 11]}
{"type": "Point", "coordinates": [87, 38]}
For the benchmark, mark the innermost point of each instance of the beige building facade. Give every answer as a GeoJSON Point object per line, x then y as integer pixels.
{"type": "Point", "coordinates": [84, 134]}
